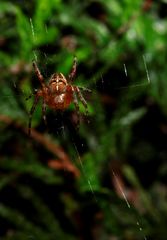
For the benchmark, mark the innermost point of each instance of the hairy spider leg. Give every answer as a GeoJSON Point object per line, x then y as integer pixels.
{"type": "Point", "coordinates": [73, 70]}
{"type": "Point", "coordinates": [32, 94]}
{"type": "Point", "coordinates": [85, 89]}
{"type": "Point", "coordinates": [83, 101]}
{"type": "Point", "coordinates": [39, 75]}
{"type": "Point", "coordinates": [31, 112]}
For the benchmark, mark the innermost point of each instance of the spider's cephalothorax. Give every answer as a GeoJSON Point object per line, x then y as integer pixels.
{"type": "Point", "coordinates": [58, 93]}
{"type": "Point", "coordinates": [57, 83]}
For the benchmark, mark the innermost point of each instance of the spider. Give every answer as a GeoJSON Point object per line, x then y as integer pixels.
{"type": "Point", "coordinates": [58, 93]}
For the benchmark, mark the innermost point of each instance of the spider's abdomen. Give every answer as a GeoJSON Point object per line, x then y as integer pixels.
{"type": "Point", "coordinates": [60, 101]}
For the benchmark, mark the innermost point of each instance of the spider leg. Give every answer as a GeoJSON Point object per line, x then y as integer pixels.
{"type": "Point", "coordinates": [31, 113]}
{"type": "Point", "coordinates": [85, 89]}
{"type": "Point", "coordinates": [73, 70]}
{"type": "Point", "coordinates": [39, 75]}
{"type": "Point", "coordinates": [83, 101]}
{"type": "Point", "coordinates": [32, 94]}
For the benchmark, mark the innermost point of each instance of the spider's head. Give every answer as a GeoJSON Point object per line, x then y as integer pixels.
{"type": "Point", "coordinates": [57, 83]}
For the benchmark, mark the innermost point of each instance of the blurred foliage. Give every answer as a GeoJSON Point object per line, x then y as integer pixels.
{"type": "Point", "coordinates": [106, 180]}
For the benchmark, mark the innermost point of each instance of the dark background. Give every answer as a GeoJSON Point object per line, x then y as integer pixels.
{"type": "Point", "coordinates": [107, 179]}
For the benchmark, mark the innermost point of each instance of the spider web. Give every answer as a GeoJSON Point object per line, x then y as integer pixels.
{"type": "Point", "coordinates": [61, 130]}
{"type": "Point", "coordinates": [79, 158]}
{"type": "Point", "coordinates": [117, 181]}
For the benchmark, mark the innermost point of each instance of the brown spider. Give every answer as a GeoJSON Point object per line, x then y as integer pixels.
{"type": "Point", "coordinates": [58, 93]}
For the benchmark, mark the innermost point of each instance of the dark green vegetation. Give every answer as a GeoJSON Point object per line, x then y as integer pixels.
{"type": "Point", "coordinates": [67, 184]}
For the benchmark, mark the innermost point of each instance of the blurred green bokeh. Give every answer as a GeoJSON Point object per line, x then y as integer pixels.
{"type": "Point", "coordinates": [106, 180]}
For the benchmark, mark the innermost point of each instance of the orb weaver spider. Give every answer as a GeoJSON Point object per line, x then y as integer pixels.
{"type": "Point", "coordinates": [58, 93]}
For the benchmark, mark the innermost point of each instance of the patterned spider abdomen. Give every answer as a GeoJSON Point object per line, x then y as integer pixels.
{"type": "Point", "coordinates": [60, 93]}
{"type": "Point", "coordinates": [62, 101]}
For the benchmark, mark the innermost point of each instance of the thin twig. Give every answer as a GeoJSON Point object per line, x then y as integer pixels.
{"type": "Point", "coordinates": [58, 151]}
